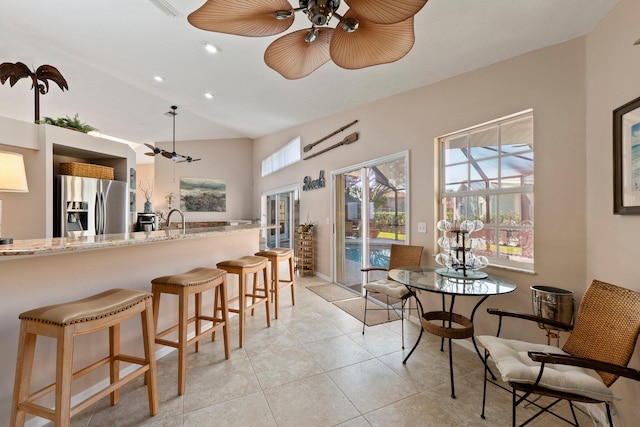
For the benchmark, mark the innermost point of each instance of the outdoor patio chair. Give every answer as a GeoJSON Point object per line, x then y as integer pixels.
{"type": "Point", "coordinates": [400, 256]}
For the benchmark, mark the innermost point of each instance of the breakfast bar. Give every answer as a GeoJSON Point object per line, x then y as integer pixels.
{"type": "Point", "coordinates": [40, 272]}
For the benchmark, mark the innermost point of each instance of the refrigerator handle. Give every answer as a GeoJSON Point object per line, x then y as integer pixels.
{"type": "Point", "coordinates": [103, 213]}
{"type": "Point", "coordinates": [96, 214]}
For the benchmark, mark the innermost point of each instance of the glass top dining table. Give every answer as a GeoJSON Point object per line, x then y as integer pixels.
{"type": "Point", "coordinates": [429, 279]}
{"type": "Point", "coordinates": [446, 323]}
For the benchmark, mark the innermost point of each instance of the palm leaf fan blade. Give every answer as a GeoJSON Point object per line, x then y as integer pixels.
{"type": "Point", "coordinates": [371, 44]}
{"type": "Point", "coordinates": [251, 18]}
{"type": "Point", "coordinates": [385, 11]}
{"type": "Point", "coordinates": [294, 58]}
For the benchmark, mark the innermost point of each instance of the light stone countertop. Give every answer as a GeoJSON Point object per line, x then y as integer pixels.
{"type": "Point", "coordinates": [57, 245]}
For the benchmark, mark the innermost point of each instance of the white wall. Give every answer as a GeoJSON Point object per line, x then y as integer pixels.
{"type": "Point", "coordinates": [613, 79]}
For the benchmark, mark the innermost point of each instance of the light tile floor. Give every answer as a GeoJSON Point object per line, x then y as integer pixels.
{"type": "Point", "coordinates": [314, 367]}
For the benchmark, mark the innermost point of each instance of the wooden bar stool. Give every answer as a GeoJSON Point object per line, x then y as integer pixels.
{"type": "Point", "coordinates": [194, 282]}
{"type": "Point", "coordinates": [244, 266]}
{"type": "Point", "coordinates": [275, 257]}
{"type": "Point", "coordinates": [64, 322]}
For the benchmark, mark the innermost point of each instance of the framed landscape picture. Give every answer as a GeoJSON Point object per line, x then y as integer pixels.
{"type": "Point", "coordinates": [626, 159]}
{"type": "Point", "coordinates": [203, 195]}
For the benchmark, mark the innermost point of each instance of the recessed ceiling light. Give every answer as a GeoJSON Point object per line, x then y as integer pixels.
{"type": "Point", "coordinates": [158, 78]}
{"type": "Point", "coordinates": [210, 48]}
{"type": "Point", "coordinates": [208, 95]}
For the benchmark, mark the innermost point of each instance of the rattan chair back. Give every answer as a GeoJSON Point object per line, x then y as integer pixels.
{"type": "Point", "coordinates": [405, 256]}
{"type": "Point", "coordinates": [606, 327]}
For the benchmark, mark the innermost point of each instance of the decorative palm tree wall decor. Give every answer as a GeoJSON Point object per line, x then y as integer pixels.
{"type": "Point", "coordinates": [40, 79]}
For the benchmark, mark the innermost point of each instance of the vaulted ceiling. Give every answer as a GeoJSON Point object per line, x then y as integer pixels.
{"type": "Point", "coordinates": [109, 53]}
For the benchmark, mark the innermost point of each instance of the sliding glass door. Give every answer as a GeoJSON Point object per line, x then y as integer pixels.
{"type": "Point", "coordinates": [280, 211]}
{"type": "Point", "coordinates": [370, 214]}
{"type": "Point", "coordinates": [349, 227]}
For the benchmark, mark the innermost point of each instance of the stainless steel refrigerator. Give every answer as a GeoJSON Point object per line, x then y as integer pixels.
{"type": "Point", "coordinates": [89, 207]}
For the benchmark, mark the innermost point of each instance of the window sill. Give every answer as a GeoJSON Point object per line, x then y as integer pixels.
{"type": "Point", "coordinates": [510, 268]}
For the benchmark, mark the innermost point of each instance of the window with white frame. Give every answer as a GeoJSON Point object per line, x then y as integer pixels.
{"type": "Point", "coordinates": [486, 173]}
{"type": "Point", "coordinates": [282, 158]}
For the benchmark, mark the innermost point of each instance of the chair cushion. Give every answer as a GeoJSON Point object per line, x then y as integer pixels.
{"type": "Point", "coordinates": [388, 287]}
{"type": "Point", "coordinates": [248, 261]}
{"type": "Point", "coordinates": [515, 365]}
{"type": "Point", "coordinates": [275, 252]}
{"type": "Point", "coordinates": [98, 306]}
{"type": "Point", "coordinates": [196, 277]}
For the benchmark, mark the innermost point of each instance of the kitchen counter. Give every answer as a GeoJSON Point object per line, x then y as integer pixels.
{"type": "Point", "coordinates": [58, 245]}
{"type": "Point", "coordinates": [40, 272]}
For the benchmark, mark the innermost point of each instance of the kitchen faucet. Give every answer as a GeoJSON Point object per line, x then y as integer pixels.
{"type": "Point", "coordinates": [169, 218]}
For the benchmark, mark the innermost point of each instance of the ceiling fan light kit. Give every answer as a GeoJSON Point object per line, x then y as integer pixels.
{"type": "Point", "coordinates": [371, 32]}
{"type": "Point", "coordinates": [177, 158]}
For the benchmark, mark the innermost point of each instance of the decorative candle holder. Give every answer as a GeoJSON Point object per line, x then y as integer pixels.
{"type": "Point", "coordinates": [459, 250]}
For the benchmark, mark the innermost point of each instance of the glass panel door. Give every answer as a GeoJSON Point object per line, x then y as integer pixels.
{"type": "Point", "coordinates": [279, 209]}
{"type": "Point", "coordinates": [349, 227]}
{"type": "Point", "coordinates": [387, 196]}
{"type": "Point", "coordinates": [369, 216]}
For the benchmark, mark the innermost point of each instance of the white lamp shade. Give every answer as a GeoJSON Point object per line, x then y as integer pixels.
{"type": "Point", "coordinates": [12, 174]}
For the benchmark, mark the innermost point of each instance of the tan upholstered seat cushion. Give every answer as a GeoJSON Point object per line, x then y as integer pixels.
{"type": "Point", "coordinates": [196, 277]}
{"type": "Point", "coordinates": [83, 310]}
{"type": "Point", "coordinates": [248, 261]}
{"type": "Point", "coordinates": [281, 252]}
{"type": "Point", "coordinates": [515, 365]}
{"type": "Point", "coordinates": [388, 287]}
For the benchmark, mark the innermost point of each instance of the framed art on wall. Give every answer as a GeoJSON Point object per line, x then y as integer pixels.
{"type": "Point", "coordinates": [626, 159]}
{"type": "Point", "coordinates": [203, 195]}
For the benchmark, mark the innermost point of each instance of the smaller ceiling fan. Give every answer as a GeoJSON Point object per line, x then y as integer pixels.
{"type": "Point", "coordinates": [171, 154]}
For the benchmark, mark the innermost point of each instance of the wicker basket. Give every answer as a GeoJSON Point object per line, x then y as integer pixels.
{"type": "Point", "coordinates": [87, 170]}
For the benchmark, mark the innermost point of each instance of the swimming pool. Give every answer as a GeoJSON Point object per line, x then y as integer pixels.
{"type": "Point", "coordinates": [378, 255]}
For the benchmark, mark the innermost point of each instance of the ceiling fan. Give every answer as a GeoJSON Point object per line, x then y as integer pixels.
{"type": "Point", "coordinates": [371, 32]}
{"type": "Point", "coordinates": [178, 158]}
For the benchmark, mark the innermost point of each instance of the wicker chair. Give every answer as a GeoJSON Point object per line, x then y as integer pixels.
{"type": "Point", "coordinates": [595, 355]}
{"type": "Point", "coordinates": [401, 256]}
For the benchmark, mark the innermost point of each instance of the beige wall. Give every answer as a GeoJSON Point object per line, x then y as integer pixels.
{"type": "Point", "coordinates": [24, 215]}
{"type": "Point", "coordinates": [145, 174]}
{"type": "Point", "coordinates": [613, 79]}
{"type": "Point", "coordinates": [573, 88]}
{"type": "Point", "coordinates": [226, 159]}
{"type": "Point", "coordinates": [551, 81]}
{"type": "Point", "coordinates": [30, 215]}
